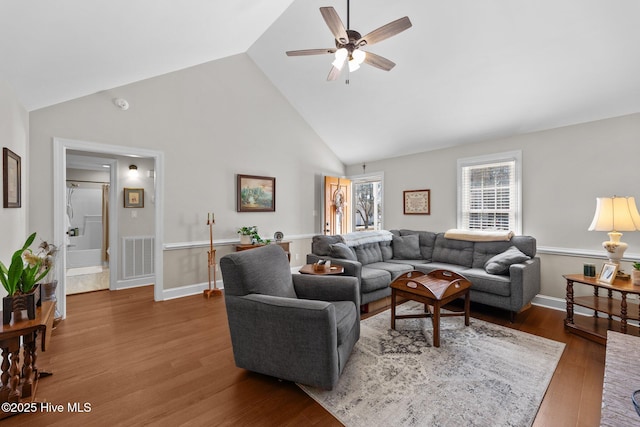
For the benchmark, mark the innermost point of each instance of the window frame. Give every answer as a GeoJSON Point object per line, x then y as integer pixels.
{"type": "Point", "coordinates": [362, 178]}
{"type": "Point", "coordinates": [516, 199]}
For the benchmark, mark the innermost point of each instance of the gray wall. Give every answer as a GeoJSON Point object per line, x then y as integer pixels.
{"type": "Point", "coordinates": [212, 122]}
{"type": "Point", "coordinates": [563, 172]}
{"type": "Point", "coordinates": [14, 134]}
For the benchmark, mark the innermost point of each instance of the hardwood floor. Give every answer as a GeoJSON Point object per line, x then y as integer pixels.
{"type": "Point", "coordinates": [138, 362]}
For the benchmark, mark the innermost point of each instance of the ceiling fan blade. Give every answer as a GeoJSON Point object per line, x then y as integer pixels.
{"type": "Point", "coordinates": [334, 73]}
{"type": "Point", "coordinates": [386, 31]}
{"type": "Point", "coordinates": [379, 61]}
{"type": "Point", "coordinates": [335, 24]}
{"type": "Point", "coordinates": [310, 52]}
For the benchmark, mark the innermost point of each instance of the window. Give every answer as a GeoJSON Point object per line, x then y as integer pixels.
{"type": "Point", "coordinates": [489, 190]}
{"type": "Point", "coordinates": [367, 200]}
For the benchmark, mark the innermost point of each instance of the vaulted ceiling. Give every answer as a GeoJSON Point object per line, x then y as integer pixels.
{"type": "Point", "coordinates": [467, 71]}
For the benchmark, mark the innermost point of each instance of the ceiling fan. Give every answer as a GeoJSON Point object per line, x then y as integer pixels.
{"type": "Point", "coordinates": [348, 43]}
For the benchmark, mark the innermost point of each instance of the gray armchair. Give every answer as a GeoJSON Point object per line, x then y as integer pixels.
{"type": "Point", "coordinates": [294, 327]}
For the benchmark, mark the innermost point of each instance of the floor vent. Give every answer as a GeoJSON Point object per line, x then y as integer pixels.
{"type": "Point", "coordinates": [137, 256]}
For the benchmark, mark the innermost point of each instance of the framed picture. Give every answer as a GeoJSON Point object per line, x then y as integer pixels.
{"type": "Point", "coordinates": [608, 273]}
{"type": "Point", "coordinates": [256, 193]}
{"type": "Point", "coordinates": [417, 202]}
{"type": "Point", "coordinates": [11, 179]}
{"type": "Point", "coordinates": [134, 197]}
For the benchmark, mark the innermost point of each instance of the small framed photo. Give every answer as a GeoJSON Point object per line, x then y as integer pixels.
{"type": "Point", "coordinates": [11, 179]}
{"type": "Point", "coordinates": [134, 197]}
{"type": "Point", "coordinates": [256, 193]}
{"type": "Point", "coordinates": [417, 202]}
{"type": "Point", "coordinates": [608, 273]}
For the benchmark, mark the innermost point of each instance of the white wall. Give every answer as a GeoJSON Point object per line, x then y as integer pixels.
{"type": "Point", "coordinates": [14, 134]}
{"type": "Point", "coordinates": [212, 122]}
{"type": "Point", "coordinates": [564, 170]}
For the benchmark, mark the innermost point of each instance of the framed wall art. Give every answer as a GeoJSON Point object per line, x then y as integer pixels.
{"type": "Point", "coordinates": [134, 197]}
{"type": "Point", "coordinates": [11, 179]}
{"type": "Point", "coordinates": [417, 202]}
{"type": "Point", "coordinates": [255, 193]}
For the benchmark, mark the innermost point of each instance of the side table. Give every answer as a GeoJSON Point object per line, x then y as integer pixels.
{"type": "Point", "coordinates": [595, 328]}
{"type": "Point", "coordinates": [283, 245]}
{"type": "Point", "coordinates": [334, 269]}
{"type": "Point", "coordinates": [19, 381]}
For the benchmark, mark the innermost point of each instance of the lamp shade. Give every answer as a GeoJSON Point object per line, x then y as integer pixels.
{"type": "Point", "coordinates": [615, 214]}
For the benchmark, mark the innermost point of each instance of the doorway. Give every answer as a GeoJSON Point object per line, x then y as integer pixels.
{"type": "Point", "coordinates": [337, 205]}
{"type": "Point", "coordinates": [88, 211]}
{"type": "Point", "coordinates": [61, 147]}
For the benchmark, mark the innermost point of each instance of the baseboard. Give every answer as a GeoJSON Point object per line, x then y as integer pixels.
{"type": "Point", "coordinates": [185, 291]}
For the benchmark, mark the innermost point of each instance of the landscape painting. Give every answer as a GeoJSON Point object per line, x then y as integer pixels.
{"type": "Point", "coordinates": [256, 193]}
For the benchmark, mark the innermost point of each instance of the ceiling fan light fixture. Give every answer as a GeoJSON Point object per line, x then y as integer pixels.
{"type": "Point", "coordinates": [353, 65]}
{"type": "Point", "coordinates": [341, 55]}
{"type": "Point", "coordinates": [359, 56]}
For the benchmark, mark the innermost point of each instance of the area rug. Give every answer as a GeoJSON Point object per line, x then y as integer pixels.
{"type": "Point", "coordinates": [481, 375]}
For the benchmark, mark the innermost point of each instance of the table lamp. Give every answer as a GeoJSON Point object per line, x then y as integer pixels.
{"type": "Point", "coordinates": [615, 214]}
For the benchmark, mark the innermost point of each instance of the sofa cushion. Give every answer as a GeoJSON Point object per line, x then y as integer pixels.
{"type": "Point", "coordinates": [406, 247]}
{"type": "Point", "coordinates": [321, 244]}
{"type": "Point", "coordinates": [394, 268]}
{"type": "Point", "coordinates": [450, 251]}
{"type": "Point", "coordinates": [341, 250]}
{"type": "Point", "coordinates": [386, 249]}
{"type": "Point", "coordinates": [483, 251]}
{"type": "Point", "coordinates": [368, 253]}
{"type": "Point", "coordinates": [481, 281]}
{"type": "Point", "coordinates": [500, 263]}
{"type": "Point", "coordinates": [373, 279]}
{"type": "Point", "coordinates": [427, 241]}
{"type": "Point", "coordinates": [429, 267]}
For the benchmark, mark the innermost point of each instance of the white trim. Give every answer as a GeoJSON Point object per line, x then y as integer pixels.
{"type": "Point", "coordinates": [133, 283]}
{"type": "Point", "coordinates": [223, 242]}
{"type": "Point", "coordinates": [583, 253]}
{"type": "Point", "coordinates": [60, 147]}
{"type": "Point", "coordinates": [364, 178]}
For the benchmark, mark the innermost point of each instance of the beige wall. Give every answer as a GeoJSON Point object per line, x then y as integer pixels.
{"type": "Point", "coordinates": [212, 122]}
{"type": "Point", "coordinates": [14, 134]}
{"type": "Point", "coordinates": [563, 171]}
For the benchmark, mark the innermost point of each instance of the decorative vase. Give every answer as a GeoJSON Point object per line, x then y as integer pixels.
{"type": "Point", "coordinates": [245, 239]}
{"type": "Point", "coordinates": [17, 303]}
{"type": "Point", "coordinates": [635, 277]}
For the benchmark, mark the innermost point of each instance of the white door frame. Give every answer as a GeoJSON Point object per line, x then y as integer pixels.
{"type": "Point", "coordinates": [60, 147]}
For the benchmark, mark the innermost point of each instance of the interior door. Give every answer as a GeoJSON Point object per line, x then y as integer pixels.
{"type": "Point", "coordinates": [337, 210]}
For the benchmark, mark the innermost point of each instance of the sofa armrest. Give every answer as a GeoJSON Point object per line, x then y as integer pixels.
{"type": "Point", "coordinates": [327, 288]}
{"type": "Point", "coordinates": [525, 282]}
{"type": "Point", "coordinates": [351, 268]}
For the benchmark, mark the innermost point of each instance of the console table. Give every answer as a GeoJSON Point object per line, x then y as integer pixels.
{"type": "Point", "coordinates": [19, 384]}
{"type": "Point", "coordinates": [595, 328]}
{"type": "Point", "coordinates": [283, 245]}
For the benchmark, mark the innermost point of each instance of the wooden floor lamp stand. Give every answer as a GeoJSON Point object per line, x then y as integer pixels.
{"type": "Point", "coordinates": [211, 264]}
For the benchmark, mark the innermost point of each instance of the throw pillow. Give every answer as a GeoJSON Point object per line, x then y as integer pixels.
{"type": "Point", "coordinates": [406, 247]}
{"type": "Point", "coordinates": [341, 250]}
{"type": "Point", "coordinates": [500, 263]}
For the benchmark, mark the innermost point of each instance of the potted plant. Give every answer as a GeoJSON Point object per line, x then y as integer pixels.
{"type": "Point", "coordinates": [635, 274]}
{"type": "Point", "coordinates": [20, 280]}
{"type": "Point", "coordinates": [249, 235]}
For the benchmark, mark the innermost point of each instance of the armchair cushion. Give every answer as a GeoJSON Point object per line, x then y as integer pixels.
{"type": "Point", "coordinates": [265, 263]}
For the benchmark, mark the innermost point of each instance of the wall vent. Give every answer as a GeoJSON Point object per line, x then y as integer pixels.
{"type": "Point", "coordinates": [137, 256]}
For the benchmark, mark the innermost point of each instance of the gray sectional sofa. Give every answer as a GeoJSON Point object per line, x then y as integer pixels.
{"type": "Point", "coordinates": [503, 273]}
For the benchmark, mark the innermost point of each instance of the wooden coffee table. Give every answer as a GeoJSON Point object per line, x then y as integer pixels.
{"type": "Point", "coordinates": [437, 288]}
